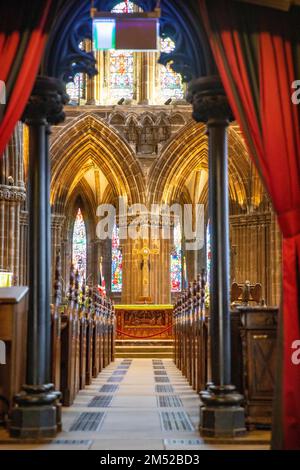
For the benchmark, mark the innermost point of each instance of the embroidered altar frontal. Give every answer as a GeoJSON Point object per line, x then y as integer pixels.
{"type": "Point", "coordinates": [144, 321]}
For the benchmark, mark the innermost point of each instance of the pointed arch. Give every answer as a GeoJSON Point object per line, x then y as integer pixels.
{"type": "Point", "coordinates": [188, 152]}
{"type": "Point", "coordinates": [86, 141]}
{"type": "Point", "coordinates": [117, 118]}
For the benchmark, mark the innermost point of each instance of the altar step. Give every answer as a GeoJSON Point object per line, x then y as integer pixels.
{"type": "Point", "coordinates": [161, 349]}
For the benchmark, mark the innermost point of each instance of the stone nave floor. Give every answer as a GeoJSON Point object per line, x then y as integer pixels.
{"type": "Point", "coordinates": [136, 404]}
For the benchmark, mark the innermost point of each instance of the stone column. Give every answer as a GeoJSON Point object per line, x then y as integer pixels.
{"type": "Point", "coordinates": [90, 81]}
{"type": "Point", "coordinates": [145, 78]}
{"type": "Point", "coordinates": [34, 414]}
{"type": "Point", "coordinates": [222, 414]}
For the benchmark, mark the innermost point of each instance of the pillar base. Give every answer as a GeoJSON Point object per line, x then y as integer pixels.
{"type": "Point", "coordinates": [222, 414]}
{"type": "Point", "coordinates": [35, 413]}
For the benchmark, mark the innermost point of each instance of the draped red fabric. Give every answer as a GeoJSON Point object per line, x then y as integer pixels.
{"type": "Point", "coordinates": [17, 71]}
{"type": "Point", "coordinates": [262, 105]}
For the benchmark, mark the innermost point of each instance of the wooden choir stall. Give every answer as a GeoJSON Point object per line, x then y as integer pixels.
{"type": "Point", "coordinates": [82, 339]}
{"type": "Point", "coordinates": [83, 336]}
{"type": "Point", "coordinates": [253, 345]}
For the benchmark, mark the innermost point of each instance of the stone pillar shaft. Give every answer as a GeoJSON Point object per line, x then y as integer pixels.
{"type": "Point", "coordinates": [222, 414]}
{"type": "Point", "coordinates": [219, 282]}
{"type": "Point", "coordinates": [35, 414]}
{"type": "Point", "coordinates": [39, 302]}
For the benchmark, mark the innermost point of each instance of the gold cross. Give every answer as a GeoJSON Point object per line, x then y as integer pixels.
{"type": "Point", "coordinates": [145, 252]}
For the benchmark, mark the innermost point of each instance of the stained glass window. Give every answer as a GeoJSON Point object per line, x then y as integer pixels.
{"type": "Point", "coordinates": [167, 45]}
{"type": "Point", "coordinates": [124, 7]}
{"type": "Point", "coordinates": [79, 247]}
{"type": "Point", "coordinates": [121, 65]}
{"type": "Point", "coordinates": [116, 265]}
{"type": "Point", "coordinates": [121, 75]}
{"type": "Point", "coordinates": [176, 261]}
{"type": "Point", "coordinates": [76, 89]}
{"type": "Point", "coordinates": [170, 82]}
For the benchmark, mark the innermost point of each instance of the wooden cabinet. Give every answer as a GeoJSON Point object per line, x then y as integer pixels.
{"type": "Point", "coordinates": [13, 333]}
{"type": "Point", "coordinates": [254, 360]}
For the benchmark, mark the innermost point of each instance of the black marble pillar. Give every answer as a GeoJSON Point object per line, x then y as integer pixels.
{"type": "Point", "coordinates": [222, 413]}
{"type": "Point", "coordinates": [34, 414]}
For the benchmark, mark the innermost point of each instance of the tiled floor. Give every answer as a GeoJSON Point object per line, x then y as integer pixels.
{"type": "Point", "coordinates": [138, 412]}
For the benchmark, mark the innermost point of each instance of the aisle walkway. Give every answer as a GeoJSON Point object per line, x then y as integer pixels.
{"type": "Point", "coordinates": [135, 404]}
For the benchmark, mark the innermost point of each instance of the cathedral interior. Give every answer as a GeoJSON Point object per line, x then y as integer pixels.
{"type": "Point", "coordinates": [90, 325]}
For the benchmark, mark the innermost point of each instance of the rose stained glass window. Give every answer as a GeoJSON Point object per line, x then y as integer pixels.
{"type": "Point", "coordinates": [176, 261]}
{"type": "Point", "coordinates": [116, 262]}
{"type": "Point", "coordinates": [79, 245]}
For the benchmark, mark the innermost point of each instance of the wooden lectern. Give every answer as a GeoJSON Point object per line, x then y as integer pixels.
{"type": "Point", "coordinates": [13, 334]}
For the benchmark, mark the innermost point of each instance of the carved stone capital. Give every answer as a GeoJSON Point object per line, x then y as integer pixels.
{"type": "Point", "coordinates": [12, 193]}
{"type": "Point", "coordinates": [210, 104]}
{"type": "Point", "coordinates": [46, 102]}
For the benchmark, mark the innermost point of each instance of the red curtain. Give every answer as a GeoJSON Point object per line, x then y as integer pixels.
{"type": "Point", "coordinates": [23, 32]}
{"type": "Point", "coordinates": [254, 49]}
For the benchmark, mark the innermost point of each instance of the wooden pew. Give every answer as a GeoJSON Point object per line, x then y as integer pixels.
{"type": "Point", "coordinates": [113, 332]}
{"type": "Point", "coordinates": [90, 335]}
{"type": "Point", "coordinates": [68, 346]}
{"type": "Point", "coordinates": [191, 357]}
{"type": "Point", "coordinates": [105, 333]}
{"type": "Point", "coordinates": [195, 326]}
{"type": "Point", "coordinates": [83, 334]}
{"type": "Point", "coordinates": [77, 333]}
{"type": "Point", "coordinates": [83, 322]}
{"type": "Point", "coordinates": [202, 335]}
{"type": "Point", "coordinates": [96, 335]}
{"type": "Point", "coordinates": [185, 333]}
{"type": "Point", "coordinates": [253, 344]}
{"type": "Point", "coordinates": [56, 327]}
{"type": "Point", "coordinates": [102, 333]}
{"type": "Point", "coordinates": [191, 334]}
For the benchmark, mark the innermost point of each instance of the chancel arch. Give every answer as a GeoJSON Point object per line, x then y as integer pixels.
{"type": "Point", "coordinates": [92, 165]}
{"type": "Point", "coordinates": [185, 154]}
{"type": "Point", "coordinates": [93, 142]}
